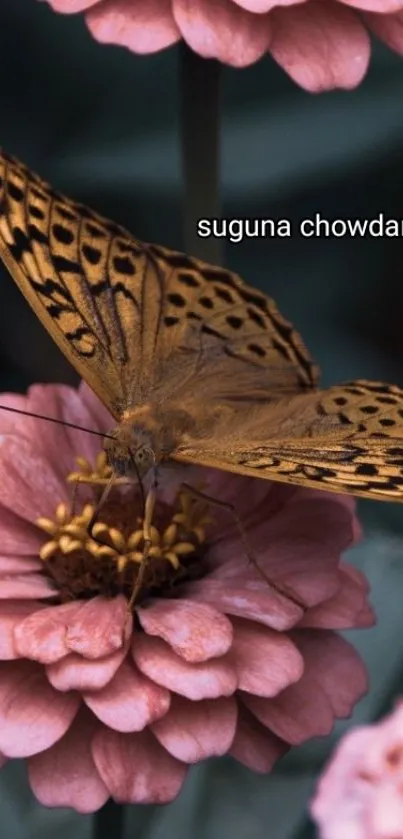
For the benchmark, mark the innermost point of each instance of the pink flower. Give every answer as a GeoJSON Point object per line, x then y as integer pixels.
{"type": "Point", "coordinates": [360, 794]}
{"type": "Point", "coordinates": [321, 44]}
{"type": "Point", "coordinates": [102, 702]}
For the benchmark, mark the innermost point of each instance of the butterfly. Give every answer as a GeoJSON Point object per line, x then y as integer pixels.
{"type": "Point", "coordinates": [196, 366]}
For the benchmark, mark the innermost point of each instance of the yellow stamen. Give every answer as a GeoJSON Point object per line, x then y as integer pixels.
{"type": "Point", "coordinates": [87, 557]}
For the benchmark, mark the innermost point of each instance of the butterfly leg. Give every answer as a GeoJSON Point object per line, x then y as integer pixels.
{"type": "Point", "coordinates": [148, 518]}
{"type": "Point", "coordinates": [226, 505]}
{"type": "Point", "coordinates": [99, 505]}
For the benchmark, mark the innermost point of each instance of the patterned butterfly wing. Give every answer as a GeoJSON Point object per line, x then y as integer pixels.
{"type": "Point", "coordinates": [136, 319]}
{"type": "Point", "coordinates": [347, 439]}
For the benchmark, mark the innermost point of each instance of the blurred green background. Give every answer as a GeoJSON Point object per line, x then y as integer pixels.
{"type": "Point", "coordinates": [103, 125]}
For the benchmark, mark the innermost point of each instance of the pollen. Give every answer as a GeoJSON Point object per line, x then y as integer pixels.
{"type": "Point", "coordinates": [100, 551]}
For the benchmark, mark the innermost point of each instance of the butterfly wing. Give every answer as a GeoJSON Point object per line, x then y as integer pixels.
{"type": "Point", "coordinates": [137, 320]}
{"type": "Point", "coordinates": [348, 438]}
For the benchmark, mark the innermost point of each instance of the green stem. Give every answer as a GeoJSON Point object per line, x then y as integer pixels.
{"type": "Point", "coordinates": [200, 145]}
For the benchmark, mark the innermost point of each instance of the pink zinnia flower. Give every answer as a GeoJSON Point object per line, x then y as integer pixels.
{"type": "Point", "coordinates": [213, 659]}
{"type": "Point", "coordinates": [321, 44]}
{"type": "Point", "coordinates": [360, 794]}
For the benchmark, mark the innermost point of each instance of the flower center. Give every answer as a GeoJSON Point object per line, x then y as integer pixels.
{"type": "Point", "coordinates": [87, 558]}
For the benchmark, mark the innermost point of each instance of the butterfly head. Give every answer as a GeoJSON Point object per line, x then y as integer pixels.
{"type": "Point", "coordinates": [130, 451]}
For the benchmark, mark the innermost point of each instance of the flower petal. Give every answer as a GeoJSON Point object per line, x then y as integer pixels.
{"type": "Point", "coordinates": [194, 731]}
{"type": "Point", "coordinates": [25, 587]}
{"type": "Point", "coordinates": [19, 536]}
{"type": "Point", "coordinates": [65, 775]}
{"type": "Point", "coordinates": [195, 631]}
{"type": "Point", "coordinates": [11, 614]}
{"type": "Point", "coordinates": [94, 628]}
{"type": "Point", "coordinates": [130, 701]}
{"type": "Point", "coordinates": [60, 445]}
{"type": "Point", "coordinates": [320, 45]}
{"type": "Point", "coordinates": [70, 7]}
{"type": "Point", "coordinates": [135, 768]}
{"type": "Point", "coordinates": [33, 715]}
{"type": "Point", "coordinates": [261, 6]}
{"type": "Point", "coordinates": [220, 29]}
{"type": "Point", "coordinates": [99, 627]}
{"type": "Point", "coordinates": [301, 711]}
{"type": "Point", "coordinates": [142, 27]}
{"type": "Point", "coordinates": [246, 598]}
{"type": "Point", "coordinates": [266, 662]}
{"type": "Point", "coordinates": [11, 423]}
{"type": "Point", "coordinates": [29, 486]}
{"type": "Point", "coordinates": [19, 565]}
{"type": "Point", "coordinates": [307, 563]}
{"type": "Point", "coordinates": [77, 673]}
{"type": "Point", "coordinates": [255, 746]}
{"type": "Point", "coordinates": [41, 636]}
{"type": "Point", "coordinates": [332, 661]}
{"type": "Point", "coordinates": [334, 679]}
{"type": "Point", "coordinates": [206, 680]}
{"type": "Point", "coordinates": [389, 28]}
{"type": "Point", "coordinates": [383, 6]}
{"type": "Point", "coordinates": [342, 610]}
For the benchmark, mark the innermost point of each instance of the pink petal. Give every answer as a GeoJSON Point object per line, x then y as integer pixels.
{"type": "Point", "coordinates": [340, 801]}
{"type": "Point", "coordinates": [246, 598]}
{"type": "Point", "coordinates": [307, 563]}
{"type": "Point", "coordinates": [255, 746]}
{"type": "Point", "coordinates": [334, 679]}
{"type": "Point", "coordinates": [69, 7]}
{"type": "Point", "coordinates": [194, 731]}
{"type": "Point", "coordinates": [17, 535]}
{"type": "Point", "coordinates": [94, 629]}
{"type": "Point", "coordinates": [261, 6]}
{"type": "Point", "coordinates": [99, 627]}
{"type": "Point", "coordinates": [386, 818]}
{"type": "Point", "coordinates": [383, 6]}
{"type": "Point", "coordinates": [207, 680]}
{"type": "Point", "coordinates": [11, 613]}
{"type": "Point", "coordinates": [300, 712]}
{"type": "Point", "coordinates": [26, 587]}
{"type": "Point", "coordinates": [42, 635]}
{"type": "Point", "coordinates": [65, 774]}
{"type": "Point", "coordinates": [345, 608]}
{"type": "Point", "coordinates": [61, 444]}
{"type": "Point", "coordinates": [28, 484]}
{"type": "Point", "coordinates": [220, 29]}
{"type": "Point", "coordinates": [135, 768]}
{"type": "Point", "coordinates": [130, 701]}
{"type": "Point", "coordinates": [389, 28]}
{"type": "Point", "coordinates": [11, 423]}
{"type": "Point", "coordinates": [334, 662]}
{"type": "Point", "coordinates": [266, 662]}
{"type": "Point", "coordinates": [142, 27]}
{"type": "Point", "coordinates": [19, 565]}
{"type": "Point", "coordinates": [320, 45]}
{"type": "Point", "coordinates": [195, 631]}
{"type": "Point", "coordinates": [33, 715]}
{"type": "Point", "coordinates": [76, 673]}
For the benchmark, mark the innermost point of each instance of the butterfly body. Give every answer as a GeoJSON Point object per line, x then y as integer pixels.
{"type": "Point", "coordinates": [145, 438]}
{"type": "Point", "coordinates": [195, 366]}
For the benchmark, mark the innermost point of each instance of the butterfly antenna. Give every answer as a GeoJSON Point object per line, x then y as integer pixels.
{"type": "Point", "coordinates": [57, 421]}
